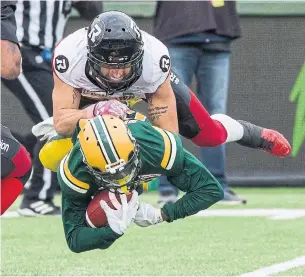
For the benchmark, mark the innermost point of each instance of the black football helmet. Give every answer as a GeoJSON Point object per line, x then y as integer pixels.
{"type": "Point", "coordinates": [114, 41]}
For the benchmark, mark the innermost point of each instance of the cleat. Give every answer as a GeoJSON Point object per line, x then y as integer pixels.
{"type": "Point", "coordinates": [274, 143]}
{"type": "Point", "coordinates": [268, 140]}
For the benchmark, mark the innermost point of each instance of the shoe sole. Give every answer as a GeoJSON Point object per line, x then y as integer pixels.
{"type": "Point", "coordinates": [30, 213]}
{"type": "Point", "coordinates": [27, 212]}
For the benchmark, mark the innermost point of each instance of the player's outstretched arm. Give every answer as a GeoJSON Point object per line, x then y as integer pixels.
{"type": "Point", "coordinates": [202, 191]}
{"type": "Point", "coordinates": [201, 187]}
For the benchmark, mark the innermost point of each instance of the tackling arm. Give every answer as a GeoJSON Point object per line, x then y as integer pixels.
{"type": "Point", "coordinates": [162, 107]}
{"type": "Point", "coordinates": [66, 113]}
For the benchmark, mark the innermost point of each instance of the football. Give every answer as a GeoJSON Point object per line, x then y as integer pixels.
{"type": "Point", "coordinates": [95, 215]}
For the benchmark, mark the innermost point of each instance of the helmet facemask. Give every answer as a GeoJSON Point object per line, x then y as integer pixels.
{"type": "Point", "coordinates": [114, 41]}
{"type": "Point", "coordinates": [97, 62]}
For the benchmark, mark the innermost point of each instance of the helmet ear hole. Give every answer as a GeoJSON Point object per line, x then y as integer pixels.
{"type": "Point", "coordinates": [87, 138]}
{"type": "Point", "coordinates": [115, 127]}
{"type": "Point", "coordinates": [123, 29]}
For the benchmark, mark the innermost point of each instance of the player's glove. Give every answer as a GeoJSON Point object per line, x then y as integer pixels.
{"type": "Point", "coordinates": [147, 215]}
{"type": "Point", "coordinates": [111, 107]}
{"type": "Point", "coordinates": [120, 220]}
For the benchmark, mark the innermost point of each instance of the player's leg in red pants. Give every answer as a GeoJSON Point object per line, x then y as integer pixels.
{"type": "Point", "coordinates": [15, 168]}
{"type": "Point", "coordinates": [195, 123]}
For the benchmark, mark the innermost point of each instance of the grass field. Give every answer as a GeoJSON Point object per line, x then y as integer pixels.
{"type": "Point", "coordinates": [196, 246]}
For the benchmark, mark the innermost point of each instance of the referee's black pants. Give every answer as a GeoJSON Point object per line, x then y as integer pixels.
{"type": "Point", "coordinates": [34, 88]}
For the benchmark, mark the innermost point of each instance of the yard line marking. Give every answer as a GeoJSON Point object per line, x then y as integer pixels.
{"type": "Point", "coordinates": [274, 214]}
{"type": "Point", "coordinates": [277, 268]}
{"type": "Point", "coordinates": [10, 214]}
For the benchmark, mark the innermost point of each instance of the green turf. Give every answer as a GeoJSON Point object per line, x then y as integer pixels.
{"type": "Point", "coordinates": [299, 271]}
{"type": "Point", "coordinates": [213, 246]}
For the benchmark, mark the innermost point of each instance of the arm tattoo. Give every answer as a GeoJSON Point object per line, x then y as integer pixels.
{"type": "Point", "coordinates": [156, 112]}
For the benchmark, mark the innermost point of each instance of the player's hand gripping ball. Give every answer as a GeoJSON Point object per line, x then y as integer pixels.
{"type": "Point", "coordinates": [95, 215]}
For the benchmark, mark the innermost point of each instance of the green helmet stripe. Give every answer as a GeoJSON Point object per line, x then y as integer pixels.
{"type": "Point", "coordinates": [113, 148]}
{"type": "Point", "coordinates": [104, 140]}
{"type": "Point", "coordinates": [100, 144]}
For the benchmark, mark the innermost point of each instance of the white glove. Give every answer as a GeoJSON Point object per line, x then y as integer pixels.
{"type": "Point", "coordinates": [147, 215]}
{"type": "Point", "coordinates": [120, 220]}
{"type": "Point", "coordinates": [45, 129]}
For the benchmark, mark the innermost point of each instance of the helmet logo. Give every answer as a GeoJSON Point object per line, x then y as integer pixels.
{"type": "Point", "coordinates": [94, 32]}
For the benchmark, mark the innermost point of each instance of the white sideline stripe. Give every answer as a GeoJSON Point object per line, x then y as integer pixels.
{"type": "Point", "coordinates": [274, 214]}
{"type": "Point", "coordinates": [10, 214]}
{"type": "Point", "coordinates": [277, 268]}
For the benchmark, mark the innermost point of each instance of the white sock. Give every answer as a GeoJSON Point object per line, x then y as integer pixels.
{"type": "Point", "coordinates": [235, 130]}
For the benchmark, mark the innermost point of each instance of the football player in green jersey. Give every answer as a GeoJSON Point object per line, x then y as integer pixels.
{"type": "Point", "coordinates": [112, 154]}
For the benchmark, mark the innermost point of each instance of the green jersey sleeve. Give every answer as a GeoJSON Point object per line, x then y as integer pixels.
{"type": "Point", "coordinates": [201, 187]}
